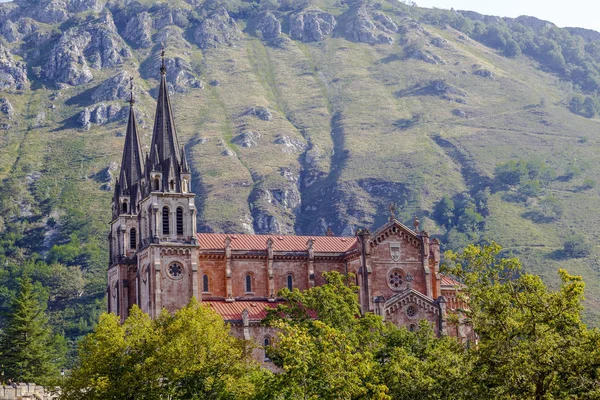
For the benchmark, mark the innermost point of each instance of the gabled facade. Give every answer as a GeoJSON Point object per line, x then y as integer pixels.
{"type": "Point", "coordinates": [159, 261]}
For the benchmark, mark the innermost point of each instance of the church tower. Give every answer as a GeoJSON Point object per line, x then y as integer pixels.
{"type": "Point", "coordinates": [124, 230]}
{"type": "Point", "coordinates": [168, 258]}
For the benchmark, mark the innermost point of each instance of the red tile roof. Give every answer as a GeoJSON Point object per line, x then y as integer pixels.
{"type": "Point", "coordinates": [232, 311]}
{"type": "Point", "coordinates": [322, 244]}
{"type": "Point", "coordinates": [447, 281]}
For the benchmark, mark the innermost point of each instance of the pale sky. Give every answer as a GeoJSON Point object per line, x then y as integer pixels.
{"type": "Point", "coordinates": [574, 13]}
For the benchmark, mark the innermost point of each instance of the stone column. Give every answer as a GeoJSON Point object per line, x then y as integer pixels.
{"type": "Point", "coordinates": [271, 280]}
{"type": "Point", "coordinates": [311, 263]}
{"type": "Point", "coordinates": [228, 269]}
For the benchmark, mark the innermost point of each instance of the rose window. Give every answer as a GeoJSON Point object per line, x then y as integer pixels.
{"type": "Point", "coordinates": [395, 280]}
{"type": "Point", "coordinates": [175, 271]}
{"type": "Point", "coordinates": [411, 311]}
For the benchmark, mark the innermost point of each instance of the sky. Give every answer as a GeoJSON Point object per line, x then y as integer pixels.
{"type": "Point", "coordinates": [573, 13]}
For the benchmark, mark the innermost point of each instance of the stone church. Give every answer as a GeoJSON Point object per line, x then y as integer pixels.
{"type": "Point", "coordinates": [158, 260]}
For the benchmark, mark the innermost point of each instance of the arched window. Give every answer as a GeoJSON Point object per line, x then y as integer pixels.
{"type": "Point", "coordinates": [184, 186]}
{"type": "Point", "coordinates": [248, 283]}
{"type": "Point", "coordinates": [156, 183]}
{"type": "Point", "coordinates": [172, 185]}
{"type": "Point", "coordinates": [180, 221]}
{"type": "Point", "coordinates": [133, 239]}
{"type": "Point", "coordinates": [205, 283]}
{"type": "Point", "coordinates": [290, 282]}
{"type": "Point", "coordinates": [266, 344]}
{"type": "Point", "coordinates": [165, 220]}
{"type": "Point", "coordinates": [124, 207]}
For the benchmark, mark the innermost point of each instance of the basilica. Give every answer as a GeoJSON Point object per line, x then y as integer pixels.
{"type": "Point", "coordinates": [158, 260]}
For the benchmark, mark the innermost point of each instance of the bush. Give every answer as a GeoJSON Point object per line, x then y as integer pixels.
{"type": "Point", "coordinates": [577, 246]}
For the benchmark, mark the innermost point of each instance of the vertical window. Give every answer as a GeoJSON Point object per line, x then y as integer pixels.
{"type": "Point", "coordinates": [132, 239]}
{"type": "Point", "coordinates": [248, 283]}
{"type": "Point", "coordinates": [156, 183]}
{"type": "Point", "coordinates": [124, 207]}
{"type": "Point", "coordinates": [290, 282]}
{"type": "Point", "coordinates": [180, 221]}
{"type": "Point", "coordinates": [266, 344]}
{"type": "Point", "coordinates": [205, 283]}
{"type": "Point", "coordinates": [172, 184]}
{"type": "Point", "coordinates": [165, 221]}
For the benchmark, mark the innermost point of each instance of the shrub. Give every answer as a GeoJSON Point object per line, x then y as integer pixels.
{"type": "Point", "coordinates": [577, 246]}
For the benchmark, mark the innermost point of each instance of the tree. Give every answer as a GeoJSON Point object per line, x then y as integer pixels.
{"type": "Point", "coordinates": [550, 207]}
{"type": "Point", "coordinates": [533, 344]}
{"type": "Point", "coordinates": [444, 211]}
{"type": "Point", "coordinates": [189, 355]}
{"type": "Point", "coordinates": [332, 357]}
{"type": "Point", "coordinates": [577, 246]}
{"type": "Point", "coordinates": [28, 349]}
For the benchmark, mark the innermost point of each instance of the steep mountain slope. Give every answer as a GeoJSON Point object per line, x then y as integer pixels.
{"type": "Point", "coordinates": [296, 118]}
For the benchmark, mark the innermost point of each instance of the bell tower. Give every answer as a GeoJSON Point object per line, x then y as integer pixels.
{"type": "Point", "coordinates": [168, 259]}
{"type": "Point", "coordinates": [124, 236]}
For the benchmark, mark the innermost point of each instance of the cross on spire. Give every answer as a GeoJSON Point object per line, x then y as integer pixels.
{"type": "Point", "coordinates": [163, 69]}
{"type": "Point", "coordinates": [131, 99]}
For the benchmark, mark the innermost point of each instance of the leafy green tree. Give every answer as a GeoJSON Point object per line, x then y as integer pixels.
{"type": "Point", "coordinates": [530, 188]}
{"type": "Point", "coordinates": [444, 211]}
{"type": "Point", "coordinates": [189, 355]}
{"type": "Point", "coordinates": [550, 207]}
{"type": "Point", "coordinates": [511, 172]}
{"type": "Point", "coordinates": [329, 358]}
{"type": "Point", "coordinates": [28, 349]}
{"type": "Point", "coordinates": [532, 344]}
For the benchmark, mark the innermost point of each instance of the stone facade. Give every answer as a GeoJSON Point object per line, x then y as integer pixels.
{"type": "Point", "coordinates": [157, 260]}
{"type": "Point", "coordinates": [25, 391]}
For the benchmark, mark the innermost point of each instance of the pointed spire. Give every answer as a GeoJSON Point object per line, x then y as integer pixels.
{"type": "Point", "coordinates": [185, 167]}
{"type": "Point", "coordinates": [132, 163]}
{"type": "Point", "coordinates": [131, 99]}
{"type": "Point", "coordinates": [165, 147]}
{"type": "Point", "coordinates": [163, 68]}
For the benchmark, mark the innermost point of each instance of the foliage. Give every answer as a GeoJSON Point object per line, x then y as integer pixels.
{"type": "Point", "coordinates": [186, 355]}
{"type": "Point", "coordinates": [533, 344]}
{"type": "Point", "coordinates": [28, 349]}
{"type": "Point", "coordinates": [577, 246]}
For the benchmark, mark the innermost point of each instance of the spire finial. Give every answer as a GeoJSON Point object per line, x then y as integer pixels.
{"type": "Point", "coordinates": [131, 99]}
{"type": "Point", "coordinates": [163, 69]}
{"type": "Point", "coordinates": [392, 207]}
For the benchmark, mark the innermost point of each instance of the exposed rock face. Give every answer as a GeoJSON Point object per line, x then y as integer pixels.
{"type": "Point", "coordinates": [385, 23]}
{"type": "Point", "coordinates": [100, 115]}
{"type": "Point", "coordinates": [106, 176]}
{"type": "Point", "coordinates": [261, 112]}
{"type": "Point", "coordinates": [217, 30]}
{"type": "Point", "coordinates": [425, 55]}
{"type": "Point", "coordinates": [115, 88]}
{"type": "Point", "coordinates": [179, 74]}
{"type": "Point", "coordinates": [269, 27]}
{"type": "Point", "coordinates": [361, 28]}
{"type": "Point", "coordinates": [6, 108]}
{"type": "Point", "coordinates": [96, 42]}
{"type": "Point", "coordinates": [311, 25]}
{"type": "Point", "coordinates": [139, 30]}
{"type": "Point", "coordinates": [13, 75]}
{"type": "Point", "coordinates": [77, 6]}
{"type": "Point", "coordinates": [247, 139]}
{"type": "Point", "coordinates": [170, 16]}
{"type": "Point", "coordinates": [484, 73]}
{"type": "Point", "coordinates": [172, 37]}
{"type": "Point", "coordinates": [291, 145]}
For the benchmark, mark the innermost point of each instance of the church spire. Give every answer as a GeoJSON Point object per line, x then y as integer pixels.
{"type": "Point", "coordinates": [132, 163]}
{"type": "Point", "coordinates": [165, 147]}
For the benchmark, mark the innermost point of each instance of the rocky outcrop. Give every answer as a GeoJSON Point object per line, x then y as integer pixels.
{"type": "Point", "coordinates": [361, 27]}
{"type": "Point", "coordinates": [6, 108]}
{"type": "Point", "coordinates": [311, 25]}
{"type": "Point", "coordinates": [77, 6]}
{"type": "Point", "coordinates": [115, 88]}
{"type": "Point", "coordinates": [290, 145]}
{"type": "Point", "coordinates": [180, 77]}
{"type": "Point", "coordinates": [217, 30]}
{"type": "Point", "coordinates": [269, 27]}
{"type": "Point", "coordinates": [424, 55]}
{"type": "Point", "coordinates": [13, 75]}
{"type": "Point", "coordinates": [247, 139]}
{"type": "Point", "coordinates": [261, 112]}
{"type": "Point", "coordinates": [385, 23]}
{"type": "Point", "coordinates": [138, 30]}
{"type": "Point", "coordinates": [172, 37]}
{"type": "Point", "coordinates": [170, 16]}
{"type": "Point", "coordinates": [95, 44]}
{"type": "Point", "coordinates": [100, 115]}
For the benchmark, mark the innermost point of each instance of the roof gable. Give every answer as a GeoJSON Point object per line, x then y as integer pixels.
{"type": "Point", "coordinates": [395, 227]}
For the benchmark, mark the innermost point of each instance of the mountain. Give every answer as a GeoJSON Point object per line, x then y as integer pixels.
{"type": "Point", "coordinates": [298, 117]}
